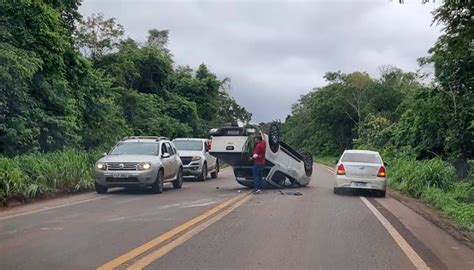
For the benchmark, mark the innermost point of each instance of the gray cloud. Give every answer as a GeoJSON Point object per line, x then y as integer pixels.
{"type": "Point", "coordinates": [278, 51]}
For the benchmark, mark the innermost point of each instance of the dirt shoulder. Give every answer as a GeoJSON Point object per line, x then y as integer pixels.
{"type": "Point", "coordinates": [436, 217]}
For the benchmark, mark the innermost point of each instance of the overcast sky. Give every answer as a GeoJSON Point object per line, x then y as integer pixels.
{"type": "Point", "coordinates": [275, 51]}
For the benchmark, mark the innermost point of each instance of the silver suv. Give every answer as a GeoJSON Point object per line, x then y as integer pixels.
{"type": "Point", "coordinates": [196, 159]}
{"type": "Point", "coordinates": [139, 161]}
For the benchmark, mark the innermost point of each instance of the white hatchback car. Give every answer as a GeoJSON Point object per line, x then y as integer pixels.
{"type": "Point", "coordinates": [361, 169]}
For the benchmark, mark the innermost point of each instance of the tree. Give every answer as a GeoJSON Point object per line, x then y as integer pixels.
{"type": "Point", "coordinates": [96, 35]}
{"type": "Point", "coordinates": [158, 39]}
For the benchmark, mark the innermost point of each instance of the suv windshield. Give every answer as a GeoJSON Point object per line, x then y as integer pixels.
{"type": "Point", "coordinates": [188, 145]}
{"type": "Point", "coordinates": [136, 148]}
{"type": "Point", "coordinates": [360, 157]}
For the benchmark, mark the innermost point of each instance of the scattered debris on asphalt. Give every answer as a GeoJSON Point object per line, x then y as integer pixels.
{"type": "Point", "coordinates": [291, 193]}
{"type": "Point", "coordinates": [217, 187]}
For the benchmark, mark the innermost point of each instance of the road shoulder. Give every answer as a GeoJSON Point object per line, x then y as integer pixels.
{"type": "Point", "coordinates": [437, 218]}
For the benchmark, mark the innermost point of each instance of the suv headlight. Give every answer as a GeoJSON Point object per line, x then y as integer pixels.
{"type": "Point", "coordinates": [101, 166]}
{"type": "Point", "coordinates": [144, 166]}
{"type": "Point", "coordinates": [194, 158]}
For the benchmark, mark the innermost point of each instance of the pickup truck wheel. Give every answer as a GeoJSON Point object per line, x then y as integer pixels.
{"type": "Point", "coordinates": [178, 183]}
{"type": "Point", "coordinates": [308, 163]}
{"type": "Point", "coordinates": [216, 171]}
{"type": "Point", "coordinates": [274, 137]}
{"type": "Point", "coordinates": [100, 189]}
{"type": "Point", "coordinates": [203, 175]}
{"type": "Point", "coordinates": [157, 187]}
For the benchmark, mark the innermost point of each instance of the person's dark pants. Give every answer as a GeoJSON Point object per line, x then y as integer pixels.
{"type": "Point", "coordinates": [258, 175]}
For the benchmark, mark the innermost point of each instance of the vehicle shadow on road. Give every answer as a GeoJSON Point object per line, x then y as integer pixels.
{"type": "Point", "coordinates": [357, 193]}
{"type": "Point", "coordinates": [137, 191]}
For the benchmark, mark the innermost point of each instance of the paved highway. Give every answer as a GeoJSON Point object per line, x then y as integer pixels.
{"type": "Point", "coordinates": [217, 224]}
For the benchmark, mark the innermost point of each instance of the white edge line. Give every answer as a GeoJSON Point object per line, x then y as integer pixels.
{"type": "Point", "coordinates": [401, 242]}
{"type": "Point", "coordinates": [50, 208]}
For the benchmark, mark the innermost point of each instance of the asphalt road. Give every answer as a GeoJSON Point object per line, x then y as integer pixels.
{"type": "Point", "coordinates": [202, 227]}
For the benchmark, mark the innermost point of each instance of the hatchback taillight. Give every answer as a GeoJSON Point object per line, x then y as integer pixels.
{"type": "Point", "coordinates": [340, 170]}
{"type": "Point", "coordinates": [381, 172]}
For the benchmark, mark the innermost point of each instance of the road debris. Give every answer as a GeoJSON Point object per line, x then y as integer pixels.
{"type": "Point", "coordinates": [291, 193]}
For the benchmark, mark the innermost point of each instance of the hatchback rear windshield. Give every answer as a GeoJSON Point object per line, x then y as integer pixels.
{"type": "Point", "coordinates": [135, 148]}
{"type": "Point", "coordinates": [188, 145]}
{"type": "Point", "coordinates": [361, 157]}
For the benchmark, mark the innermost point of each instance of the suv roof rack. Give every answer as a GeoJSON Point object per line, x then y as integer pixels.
{"type": "Point", "coordinates": [157, 138]}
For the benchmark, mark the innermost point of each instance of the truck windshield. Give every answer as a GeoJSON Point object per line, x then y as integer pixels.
{"type": "Point", "coordinates": [188, 145]}
{"type": "Point", "coordinates": [136, 148]}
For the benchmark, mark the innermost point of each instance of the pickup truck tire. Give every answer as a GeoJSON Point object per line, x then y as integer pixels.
{"type": "Point", "coordinates": [274, 137]}
{"type": "Point", "coordinates": [203, 175]}
{"type": "Point", "coordinates": [100, 189]}
{"type": "Point", "coordinates": [308, 163]}
{"type": "Point", "coordinates": [157, 187]}
{"type": "Point", "coordinates": [216, 171]}
{"type": "Point", "coordinates": [178, 183]}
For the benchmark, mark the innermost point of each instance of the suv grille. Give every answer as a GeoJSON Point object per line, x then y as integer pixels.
{"type": "Point", "coordinates": [121, 180]}
{"type": "Point", "coordinates": [121, 166]}
{"type": "Point", "coordinates": [186, 160]}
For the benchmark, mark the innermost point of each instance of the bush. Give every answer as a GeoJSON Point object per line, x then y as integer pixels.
{"type": "Point", "coordinates": [461, 213]}
{"type": "Point", "coordinates": [34, 175]}
{"type": "Point", "coordinates": [435, 182]}
{"type": "Point", "coordinates": [412, 176]}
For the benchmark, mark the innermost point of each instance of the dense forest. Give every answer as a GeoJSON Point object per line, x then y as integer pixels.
{"type": "Point", "coordinates": [73, 82]}
{"type": "Point", "coordinates": [423, 126]}
{"type": "Point", "coordinates": [70, 87]}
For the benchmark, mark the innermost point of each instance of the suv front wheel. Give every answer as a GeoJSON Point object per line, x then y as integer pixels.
{"type": "Point", "coordinates": [100, 189]}
{"type": "Point", "coordinates": [157, 187]}
{"type": "Point", "coordinates": [203, 175]}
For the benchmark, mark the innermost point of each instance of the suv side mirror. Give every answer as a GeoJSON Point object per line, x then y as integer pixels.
{"type": "Point", "coordinates": [334, 161]}
{"type": "Point", "coordinates": [104, 154]}
{"type": "Point", "coordinates": [385, 164]}
{"type": "Point", "coordinates": [165, 155]}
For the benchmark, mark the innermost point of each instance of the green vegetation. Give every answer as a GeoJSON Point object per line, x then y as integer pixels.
{"type": "Point", "coordinates": [326, 160]}
{"type": "Point", "coordinates": [423, 127]}
{"type": "Point", "coordinates": [36, 175]}
{"type": "Point", "coordinates": [68, 82]}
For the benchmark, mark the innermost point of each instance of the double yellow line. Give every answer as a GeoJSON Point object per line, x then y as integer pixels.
{"type": "Point", "coordinates": [182, 233]}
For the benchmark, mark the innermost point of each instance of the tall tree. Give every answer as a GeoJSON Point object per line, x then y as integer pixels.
{"type": "Point", "coordinates": [158, 39]}
{"type": "Point", "coordinates": [97, 35]}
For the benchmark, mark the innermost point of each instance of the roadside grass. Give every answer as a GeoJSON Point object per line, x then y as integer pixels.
{"type": "Point", "coordinates": [31, 176]}
{"type": "Point", "coordinates": [325, 160]}
{"type": "Point", "coordinates": [435, 182]}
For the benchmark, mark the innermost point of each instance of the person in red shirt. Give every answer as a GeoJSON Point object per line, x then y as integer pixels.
{"type": "Point", "coordinates": [259, 162]}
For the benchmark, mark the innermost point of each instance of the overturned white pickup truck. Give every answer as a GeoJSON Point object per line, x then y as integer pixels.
{"type": "Point", "coordinates": [284, 166]}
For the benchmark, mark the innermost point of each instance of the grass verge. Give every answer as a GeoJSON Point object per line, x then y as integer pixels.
{"type": "Point", "coordinates": [37, 175]}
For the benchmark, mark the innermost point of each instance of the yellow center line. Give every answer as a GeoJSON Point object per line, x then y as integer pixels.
{"type": "Point", "coordinates": [155, 255]}
{"type": "Point", "coordinates": [168, 235]}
